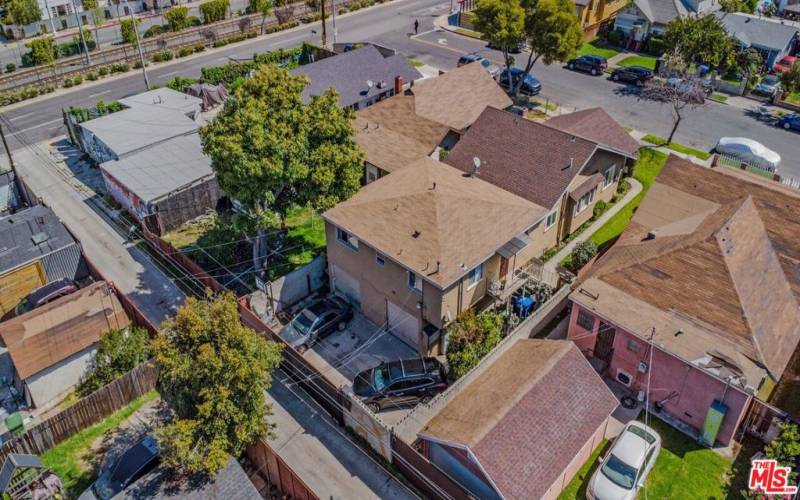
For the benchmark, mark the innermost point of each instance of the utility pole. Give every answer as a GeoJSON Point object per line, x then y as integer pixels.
{"type": "Point", "coordinates": [50, 17]}
{"type": "Point", "coordinates": [8, 151]}
{"type": "Point", "coordinates": [80, 30]}
{"type": "Point", "coordinates": [324, 31]}
{"type": "Point", "coordinates": [138, 46]}
{"type": "Point", "coordinates": [333, 6]}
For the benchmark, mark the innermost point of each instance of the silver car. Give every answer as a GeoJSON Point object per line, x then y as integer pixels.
{"type": "Point", "coordinates": [750, 151]}
{"type": "Point", "coordinates": [625, 468]}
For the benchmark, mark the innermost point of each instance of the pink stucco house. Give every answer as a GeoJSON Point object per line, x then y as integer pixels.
{"type": "Point", "coordinates": [700, 295]}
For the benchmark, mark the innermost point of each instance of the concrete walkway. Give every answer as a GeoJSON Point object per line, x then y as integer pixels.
{"type": "Point", "coordinates": [636, 188]}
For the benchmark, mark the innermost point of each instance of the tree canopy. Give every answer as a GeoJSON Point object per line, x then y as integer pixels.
{"type": "Point", "coordinates": [700, 40]}
{"type": "Point", "coordinates": [270, 150]}
{"type": "Point", "coordinates": [214, 10]}
{"type": "Point", "coordinates": [43, 51]}
{"type": "Point", "coordinates": [213, 374]}
{"type": "Point", "coordinates": [23, 12]}
{"type": "Point", "coordinates": [127, 29]}
{"type": "Point", "coordinates": [472, 336]}
{"type": "Point", "coordinates": [263, 7]}
{"type": "Point", "coordinates": [118, 352]}
{"type": "Point", "coordinates": [502, 22]}
{"type": "Point", "coordinates": [177, 17]}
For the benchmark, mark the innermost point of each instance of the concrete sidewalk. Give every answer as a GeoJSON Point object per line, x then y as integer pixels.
{"type": "Point", "coordinates": [636, 188]}
{"type": "Point", "coordinates": [324, 457]}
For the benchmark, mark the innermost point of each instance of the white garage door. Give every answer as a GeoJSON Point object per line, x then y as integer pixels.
{"type": "Point", "coordinates": [403, 325]}
{"type": "Point", "coordinates": [347, 286]}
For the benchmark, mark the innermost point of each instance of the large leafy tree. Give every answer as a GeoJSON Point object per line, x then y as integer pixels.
{"type": "Point", "coordinates": [177, 17]}
{"type": "Point", "coordinates": [700, 40]}
{"type": "Point", "coordinates": [214, 372]}
{"type": "Point", "coordinates": [127, 29]}
{"type": "Point", "coordinates": [785, 448]}
{"type": "Point", "coordinates": [502, 22]}
{"type": "Point", "coordinates": [263, 7]}
{"type": "Point", "coordinates": [271, 151]}
{"type": "Point", "coordinates": [22, 12]}
{"type": "Point", "coordinates": [214, 10]}
{"type": "Point", "coordinates": [471, 337]}
{"type": "Point", "coordinates": [43, 51]}
{"type": "Point", "coordinates": [119, 352]}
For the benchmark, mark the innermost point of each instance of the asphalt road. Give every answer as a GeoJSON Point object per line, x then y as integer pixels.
{"type": "Point", "coordinates": [391, 25]}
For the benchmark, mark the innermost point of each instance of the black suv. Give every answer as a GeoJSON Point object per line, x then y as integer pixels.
{"type": "Point", "coordinates": [590, 64]}
{"type": "Point", "coordinates": [637, 75]}
{"type": "Point", "coordinates": [400, 383]}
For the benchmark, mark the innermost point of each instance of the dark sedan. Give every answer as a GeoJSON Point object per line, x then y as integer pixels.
{"type": "Point", "coordinates": [636, 75]}
{"type": "Point", "coordinates": [590, 64]}
{"type": "Point", "coordinates": [316, 322]}
{"type": "Point", "coordinates": [530, 85]}
{"type": "Point", "coordinates": [134, 463]}
{"type": "Point", "coordinates": [400, 383]}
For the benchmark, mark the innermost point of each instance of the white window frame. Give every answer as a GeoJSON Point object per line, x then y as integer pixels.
{"type": "Point", "coordinates": [475, 276]}
{"type": "Point", "coordinates": [589, 200]}
{"type": "Point", "coordinates": [414, 281]}
{"type": "Point", "coordinates": [348, 240]}
{"type": "Point", "coordinates": [613, 171]}
{"type": "Point", "coordinates": [380, 259]}
{"type": "Point", "coordinates": [547, 223]}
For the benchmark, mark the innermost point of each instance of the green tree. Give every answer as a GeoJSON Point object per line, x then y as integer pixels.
{"type": "Point", "coordinates": [552, 32]}
{"type": "Point", "coordinates": [177, 17]}
{"type": "Point", "coordinates": [119, 351]}
{"type": "Point", "coordinates": [43, 51]}
{"type": "Point", "coordinates": [731, 6]}
{"type": "Point", "coordinates": [23, 12]}
{"type": "Point", "coordinates": [214, 10]}
{"type": "Point", "coordinates": [785, 448]}
{"type": "Point", "coordinates": [748, 63]}
{"type": "Point", "coordinates": [214, 372]}
{"type": "Point", "coordinates": [582, 254]}
{"type": "Point", "coordinates": [700, 40]}
{"type": "Point", "coordinates": [271, 151]}
{"type": "Point", "coordinates": [502, 22]}
{"type": "Point", "coordinates": [263, 7]}
{"type": "Point", "coordinates": [790, 80]}
{"type": "Point", "coordinates": [127, 29]}
{"type": "Point", "coordinates": [470, 338]}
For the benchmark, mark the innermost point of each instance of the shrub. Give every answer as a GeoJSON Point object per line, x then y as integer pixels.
{"type": "Point", "coordinates": [599, 208]}
{"type": "Point", "coordinates": [103, 71]}
{"type": "Point", "coordinates": [118, 352]}
{"type": "Point", "coordinates": [656, 46]}
{"type": "Point", "coordinates": [623, 186]}
{"type": "Point", "coordinates": [252, 34]}
{"type": "Point", "coordinates": [138, 64]}
{"type": "Point", "coordinates": [471, 337]}
{"type": "Point", "coordinates": [177, 17]}
{"type": "Point", "coordinates": [214, 10]}
{"type": "Point", "coordinates": [154, 30]}
{"type": "Point", "coordinates": [194, 21]}
{"type": "Point", "coordinates": [581, 254]}
{"type": "Point", "coordinates": [199, 48]}
{"type": "Point", "coordinates": [615, 37]}
{"type": "Point", "coordinates": [180, 83]}
{"type": "Point", "coordinates": [68, 83]}
{"type": "Point", "coordinates": [185, 51]}
{"type": "Point", "coordinates": [120, 68]}
{"type": "Point", "coordinates": [164, 55]}
{"type": "Point", "coordinates": [342, 10]}
{"type": "Point", "coordinates": [11, 67]}
{"type": "Point", "coordinates": [219, 43]}
{"type": "Point", "coordinates": [92, 76]}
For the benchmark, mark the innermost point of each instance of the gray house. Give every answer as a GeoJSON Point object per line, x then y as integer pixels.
{"type": "Point", "coordinates": [772, 38]}
{"type": "Point", "coordinates": [643, 18]}
{"type": "Point", "coordinates": [362, 76]}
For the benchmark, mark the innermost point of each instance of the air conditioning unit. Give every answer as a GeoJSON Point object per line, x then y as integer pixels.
{"type": "Point", "coordinates": [642, 367]}
{"type": "Point", "coordinates": [624, 378]}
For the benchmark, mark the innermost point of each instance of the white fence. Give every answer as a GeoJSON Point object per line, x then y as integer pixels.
{"type": "Point", "coordinates": [758, 169]}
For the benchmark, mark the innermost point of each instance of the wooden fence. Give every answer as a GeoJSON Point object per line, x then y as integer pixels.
{"type": "Point", "coordinates": [427, 478]}
{"type": "Point", "coordinates": [84, 413]}
{"type": "Point", "coordinates": [277, 474]}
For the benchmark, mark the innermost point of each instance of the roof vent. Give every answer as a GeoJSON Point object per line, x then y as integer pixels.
{"type": "Point", "coordinates": [572, 139]}
{"type": "Point", "coordinates": [415, 234]}
{"type": "Point", "coordinates": [476, 166]}
{"type": "Point", "coordinates": [39, 238]}
{"type": "Point", "coordinates": [651, 234]}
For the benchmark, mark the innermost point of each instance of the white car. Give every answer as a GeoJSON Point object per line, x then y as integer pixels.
{"type": "Point", "coordinates": [749, 151]}
{"type": "Point", "coordinates": [624, 470]}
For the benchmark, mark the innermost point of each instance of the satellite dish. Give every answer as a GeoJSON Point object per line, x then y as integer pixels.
{"type": "Point", "coordinates": [476, 162]}
{"type": "Point", "coordinates": [370, 83]}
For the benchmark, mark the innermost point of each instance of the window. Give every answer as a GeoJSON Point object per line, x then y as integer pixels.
{"type": "Point", "coordinates": [475, 276]}
{"type": "Point", "coordinates": [372, 173]}
{"type": "Point", "coordinates": [380, 259]}
{"type": "Point", "coordinates": [347, 239]}
{"type": "Point", "coordinates": [414, 281]}
{"type": "Point", "coordinates": [609, 176]}
{"type": "Point", "coordinates": [633, 346]}
{"type": "Point", "coordinates": [584, 201]}
{"type": "Point", "coordinates": [585, 320]}
{"type": "Point", "coordinates": [552, 217]}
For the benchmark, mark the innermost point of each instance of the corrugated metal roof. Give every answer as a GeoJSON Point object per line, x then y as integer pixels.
{"type": "Point", "coordinates": [20, 232]}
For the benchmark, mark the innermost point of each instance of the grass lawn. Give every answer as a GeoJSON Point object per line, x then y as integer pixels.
{"type": "Point", "coordinates": [416, 63]}
{"type": "Point", "coordinates": [680, 148]}
{"type": "Point", "coordinates": [306, 238]}
{"type": "Point", "coordinates": [576, 489]}
{"type": "Point", "coordinates": [644, 61]}
{"type": "Point", "coordinates": [597, 48]}
{"type": "Point", "coordinates": [69, 459]}
{"type": "Point", "coordinates": [645, 171]}
{"type": "Point", "coordinates": [718, 97]}
{"type": "Point", "coordinates": [793, 98]}
{"type": "Point", "coordinates": [470, 33]}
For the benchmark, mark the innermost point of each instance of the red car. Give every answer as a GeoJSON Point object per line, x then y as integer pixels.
{"type": "Point", "coordinates": [42, 296]}
{"type": "Point", "coordinates": [784, 64]}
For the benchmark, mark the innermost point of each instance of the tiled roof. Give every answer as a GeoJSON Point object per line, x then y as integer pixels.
{"type": "Point", "coordinates": [722, 254]}
{"type": "Point", "coordinates": [532, 160]}
{"type": "Point", "coordinates": [754, 31]}
{"type": "Point", "coordinates": [527, 416]}
{"type": "Point", "coordinates": [434, 219]}
{"type": "Point", "coordinates": [598, 126]}
{"type": "Point", "coordinates": [458, 97]}
{"type": "Point", "coordinates": [393, 135]}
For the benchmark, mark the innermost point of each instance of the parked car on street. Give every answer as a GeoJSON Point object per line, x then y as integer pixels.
{"type": "Point", "coordinates": [624, 469]}
{"type": "Point", "coordinates": [488, 65]}
{"type": "Point", "coordinates": [749, 151]}
{"type": "Point", "coordinates": [590, 64]}
{"type": "Point", "coordinates": [790, 121]}
{"type": "Point", "coordinates": [636, 75]}
{"type": "Point", "coordinates": [134, 463]}
{"type": "Point", "coordinates": [516, 49]}
{"type": "Point", "coordinates": [784, 64]}
{"type": "Point", "coordinates": [768, 86]}
{"type": "Point", "coordinates": [316, 322]}
{"type": "Point", "coordinates": [43, 295]}
{"type": "Point", "coordinates": [530, 86]}
{"type": "Point", "coordinates": [400, 383]}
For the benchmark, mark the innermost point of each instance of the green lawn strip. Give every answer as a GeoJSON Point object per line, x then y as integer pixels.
{"type": "Point", "coordinates": [576, 489]}
{"type": "Point", "coordinates": [306, 236]}
{"type": "Point", "coordinates": [643, 61]}
{"type": "Point", "coordinates": [645, 171]}
{"type": "Point", "coordinates": [416, 63]}
{"type": "Point", "coordinates": [469, 33]}
{"type": "Point", "coordinates": [68, 457]}
{"type": "Point", "coordinates": [718, 97]}
{"type": "Point", "coordinates": [793, 98]}
{"type": "Point", "coordinates": [685, 469]}
{"type": "Point", "coordinates": [680, 148]}
{"type": "Point", "coordinates": [597, 48]}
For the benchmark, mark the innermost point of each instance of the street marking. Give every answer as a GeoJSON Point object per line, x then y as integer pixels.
{"type": "Point", "coordinates": [442, 41]}
{"type": "Point", "coordinates": [171, 73]}
{"type": "Point", "coordinates": [100, 93]}
{"type": "Point", "coordinates": [58, 120]}
{"type": "Point", "coordinates": [21, 116]}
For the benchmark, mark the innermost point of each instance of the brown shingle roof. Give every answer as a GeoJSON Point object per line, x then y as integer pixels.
{"type": "Point", "coordinates": [527, 416]}
{"type": "Point", "coordinates": [393, 135]}
{"type": "Point", "coordinates": [458, 97]}
{"type": "Point", "coordinates": [529, 159]}
{"type": "Point", "coordinates": [56, 331]}
{"type": "Point", "coordinates": [598, 126]}
{"type": "Point", "coordinates": [428, 212]}
{"type": "Point", "coordinates": [726, 256]}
